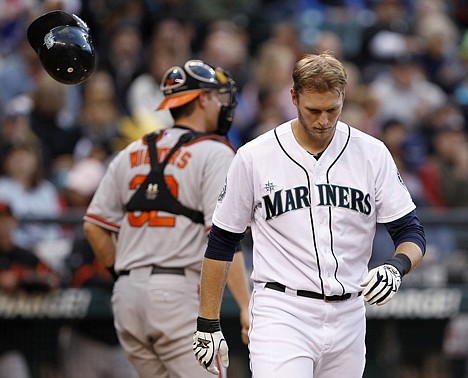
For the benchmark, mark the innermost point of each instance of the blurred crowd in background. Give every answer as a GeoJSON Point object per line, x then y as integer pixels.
{"type": "Point", "coordinates": [407, 62]}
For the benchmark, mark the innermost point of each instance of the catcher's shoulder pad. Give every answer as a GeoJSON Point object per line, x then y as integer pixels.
{"type": "Point", "coordinates": [198, 137]}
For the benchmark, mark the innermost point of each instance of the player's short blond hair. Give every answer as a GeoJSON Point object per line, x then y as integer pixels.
{"type": "Point", "coordinates": [319, 73]}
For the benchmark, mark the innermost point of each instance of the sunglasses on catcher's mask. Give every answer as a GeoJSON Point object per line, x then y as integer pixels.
{"type": "Point", "coordinates": [183, 84]}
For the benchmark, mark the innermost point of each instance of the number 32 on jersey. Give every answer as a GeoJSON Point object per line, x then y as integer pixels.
{"type": "Point", "coordinates": [151, 218]}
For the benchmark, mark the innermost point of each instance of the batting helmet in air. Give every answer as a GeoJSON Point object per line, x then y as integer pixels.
{"type": "Point", "coordinates": [64, 46]}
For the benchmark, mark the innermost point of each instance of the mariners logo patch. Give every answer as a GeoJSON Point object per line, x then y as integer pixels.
{"type": "Point", "coordinates": [49, 40]}
{"type": "Point", "coordinates": [269, 187]}
{"type": "Point", "coordinates": [223, 192]}
{"type": "Point", "coordinates": [400, 179]}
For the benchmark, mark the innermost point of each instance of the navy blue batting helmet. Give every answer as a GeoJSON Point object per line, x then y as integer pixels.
{"type": "Point", "coordinates": [64, 46]}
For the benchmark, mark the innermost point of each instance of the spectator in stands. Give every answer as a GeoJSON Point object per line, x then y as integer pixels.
{"type": "Point", "coordinates": [21, 72]}
{"type": "Point", "coordinates": [29, 194]}
{"type": "Point", "coordinates": [20, 272]}
{"type": "Point", "coordinates": [328, 41]}
{"type": "Point", "coordinates": [57, 142]}
{"type": "Point", "coordinates": [361, 106]}
{"type": "Point", "coordinates": [439, 36]}
{"type": "Point", "coordinates": [103, 129]}
{"type": "Point", "coordinates": [449, 115]}
{"type": "Point", "coordinates": [90, 347]}
{"type": "Point", "coordinates": [206, 11]}
{"type": "Point", "coordinates": [408, 151]}
{"type": "Point", "coordinates": [226, 44]}
{"type": "Point", "coordinates": [13, 22]}
{"type": "Point", "coordinates": [389, 34]}
{"type": "Point", "coordinates": [287, 33]}
{"type": "Point", "coordinates": [455, 346]}
{"type": "Point", "coordinates": [343, 18]}
{"type": "Point", "coordinates": [173, 35]}
{"type": "Point", "coordinates": [461, 89]}
{"type": "Point", "coordinates": [264, 99]}
{"type": "Point", "coordinates": [123, 59]}
{"type": "Point", "coordinates": [103, 17]}
{"type": "Point", "coordinates": [404, 91]}
{"type": "Point", "coordinates": [18, 72]}
{"type": "Point", "coordinates": [81, 182]}
{"type": "Point", "coordinates": [170, 46]}
{"type": "Point", "coordinates": [266, 13]}
{"type": "Point", "coordinates": [21, 269]}
{"type": "Point", "coordinates": [445, 174]}
{"type": "Point", "coordinates": [15, 124]}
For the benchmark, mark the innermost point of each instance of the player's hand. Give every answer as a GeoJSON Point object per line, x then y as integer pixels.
{"type": "Point", "coordinates": [381, 284]}
{"type": "Point", "coordinates": [244, 322]}
{"type": "Point", "coordinates": [208, 341]}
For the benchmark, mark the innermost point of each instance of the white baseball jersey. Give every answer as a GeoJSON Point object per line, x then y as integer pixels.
{"type": "Point", "coordinates": [195, 174]}
{"type": "Point", "coordinates": [313, 221]}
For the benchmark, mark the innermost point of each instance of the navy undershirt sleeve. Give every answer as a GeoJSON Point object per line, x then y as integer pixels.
{"type": "Point", "coordinates": [407, 229]}
{"type": "Point", "coordinates": [222, 244]}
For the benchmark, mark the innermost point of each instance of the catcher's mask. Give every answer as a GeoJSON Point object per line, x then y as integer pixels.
{"type": "Point", "coordinates": [182, 85]}
{"type": "Point", "coordinates": [64, 46]}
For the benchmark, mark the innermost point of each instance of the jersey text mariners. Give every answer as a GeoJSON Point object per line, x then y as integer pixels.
{"type": "Point", "coordinates": [313, 221]}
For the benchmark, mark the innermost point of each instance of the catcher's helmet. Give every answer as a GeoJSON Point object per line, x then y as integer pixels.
{"type": "Point", "coordinates": [181, 85]}
{"type": "Point", "coordinates": [63, 44]}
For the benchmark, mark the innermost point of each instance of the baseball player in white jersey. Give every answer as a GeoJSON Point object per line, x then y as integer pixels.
{"type": "Point", "coordinates": [157, 197]}
{"type": "Point", "coordinates": [312, 191]}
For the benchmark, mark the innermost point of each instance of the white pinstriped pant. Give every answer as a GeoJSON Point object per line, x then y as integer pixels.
{"type": "Point", "coordinates": [300, 337]}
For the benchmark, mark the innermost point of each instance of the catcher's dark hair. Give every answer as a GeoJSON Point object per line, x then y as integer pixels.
{"type": "Point", "coordinates": [184, 110]}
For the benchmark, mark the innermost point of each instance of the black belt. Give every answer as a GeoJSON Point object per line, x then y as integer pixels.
{"type": "Point", "coordinates": [310, 294]}
{"type": "Point", "coordinates": [159, 270]}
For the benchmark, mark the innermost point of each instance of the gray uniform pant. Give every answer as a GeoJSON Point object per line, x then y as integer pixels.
{"type": "Point", "coordinates": [84, 357]}
{"type": "Point", "coordinates": [155, 318]}
{"type": "Point", "coordinates": [13, 364]}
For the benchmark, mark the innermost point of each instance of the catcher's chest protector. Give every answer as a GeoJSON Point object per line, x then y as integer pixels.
{"type": "Point", "coordinates": [153, 193]}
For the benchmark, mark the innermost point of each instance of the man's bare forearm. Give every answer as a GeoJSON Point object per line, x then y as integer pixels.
{"type": "Point", "coordinates": [101, 242]}
{"type": "Point", "coordinates": [213, 280]}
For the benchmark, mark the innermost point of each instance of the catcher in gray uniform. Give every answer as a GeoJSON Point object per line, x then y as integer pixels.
{"type": "Point", "coordinates": [149, 218]}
